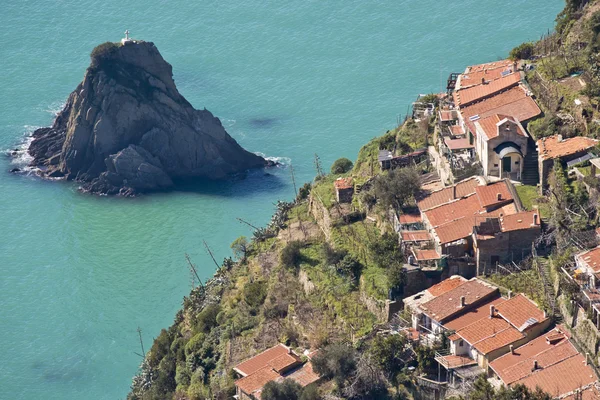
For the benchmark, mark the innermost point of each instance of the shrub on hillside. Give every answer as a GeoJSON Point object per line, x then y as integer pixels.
{"type": "Point", "coordinates": [524, 51]}
{"type": "Point", "coordinates": [290, 255]}
{"type": "Point", "coordinates": [341, 166]}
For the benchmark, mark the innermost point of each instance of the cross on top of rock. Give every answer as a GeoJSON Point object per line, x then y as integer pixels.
{"type": "Point", "coordinates": [127, 34]}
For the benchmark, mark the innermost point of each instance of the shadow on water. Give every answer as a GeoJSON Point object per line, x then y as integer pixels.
{"type": "Point", "coordinates": [67, 371]}
{"type": "Point", "coordinates": [263, 123]}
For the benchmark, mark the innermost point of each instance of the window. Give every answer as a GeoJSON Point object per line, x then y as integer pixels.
{"type": "Point", "coordinates": [496, 165]}
{"type": "Point", "coordinates": [461, 343]}
{"type": "Point", "coordinates": [516, 163]}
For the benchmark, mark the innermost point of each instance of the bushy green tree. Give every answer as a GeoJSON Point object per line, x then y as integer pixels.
{"type": "Point", "coordinates": [385, 250]}
{"type": "Point", "coordinates": [341, 166]}
{"type": "Point", "coordinates": [290, 255]}
{"type": "Point", "coordinates": [240, 248]}
{"type": "Point", "coordinates": [397, 187]}
{"type": "Point", "coordinates": [255, 293]}
{"type": "Point", "coordinates": [336, 361]}
{"type": "Point", "coordinates": [387, 352]}
{"type": "Point", "coordinates": [524, 51]}
{"type": "Point", "coordinates": [288, 389]}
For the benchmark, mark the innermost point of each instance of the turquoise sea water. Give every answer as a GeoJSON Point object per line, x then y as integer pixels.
{"type": "Point", "coordinates": [78, 273]}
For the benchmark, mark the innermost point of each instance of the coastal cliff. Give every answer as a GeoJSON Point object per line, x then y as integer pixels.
{"type": "Point", "coordinates": [126, 129]}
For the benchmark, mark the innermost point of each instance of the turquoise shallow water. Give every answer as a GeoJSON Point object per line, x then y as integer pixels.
{"type": "Point", "coordinates": [289, 79]}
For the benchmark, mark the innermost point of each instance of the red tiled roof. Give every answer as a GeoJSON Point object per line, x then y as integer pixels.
{"type": "Point", "coordinates": [467, 96]}
{"type": "Point", "coordinates": [410, 218]}
{"type": "Point", "coordinates": [411, 334]}
{"type": "Point", "coordinates": [507, 366]}
{"type": "Point", "coordinates": [261, 360]}
{"type": "Point", "coordinates": [589, 393]}
{"type": "Point", "coordinates": [494, 194]}
{"type": "Point", "coordinates": [549, 147]}
{"type": "Point", "coordinates": [343, 183]}
{"type": "Point", "coordinates": [457, 130]}
{"type": "Point", "coordinates": [446, 285]}
{"type": "Point", "coordinates": [591, 258]}
{"type": "Point", "coordinates": [415, 236]}
{"type": "Point", "coordinates": [452, 211]}
{"type": "Point", "coordinates": [426, 255]}
{"type": "Point", "coordinates": [446, 194]}
{"type": "Point", "coordinates": [283, 362]}
{"type": "Point", "coordinates": [518, 221]}
{"type": "Point", "coordinates": [253, 383]}
{"type": "Point", "coordinates": [519, 310]}
{"type": "Point", "coordinates": [458, 144]}
{"type": "Point", "coordinates": [452, 361]}
{"type": "Point", "coordinates": [561, 378]}
{"type": "Point", "coordinates": [514, 102]}
{"type": "Point", "coordinates": [490, 128]}
{"type": "Point", "coordinates": [304, 375]}
{"type": "Point", "coordinates": [455, 230]}
{"type": "Point", "coordinates": [473, 315]}
{"type": "Point", "coordinates": [489, 72]}
{"type": "Point", "coordinates": [447, 304]}
{"type": "Point", "coordinates": [447, 115]}
{"type": "Point", "coordinates": [488, 66]}
{"type": "Point", "coordinates": [489, 334]}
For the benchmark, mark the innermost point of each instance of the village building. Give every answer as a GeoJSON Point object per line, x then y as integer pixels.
{"type": "Point", "coordinates": [344, 189]}
{"type": "Point", "coordinates": [549, 362]}
{"type": "Point", "coordinates": [504, 239]}
{"type": "Point", "coordinates": [387, 159]}
{"type": "Point", "coordinates": [275, 364]}
{"type": "Point", "coordinates": [565, 150]}
{"type": "Point", "coordinates": [588, 265]}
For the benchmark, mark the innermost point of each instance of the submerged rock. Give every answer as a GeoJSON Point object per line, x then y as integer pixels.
{"type": "Point", "coordinates": [126, 129]}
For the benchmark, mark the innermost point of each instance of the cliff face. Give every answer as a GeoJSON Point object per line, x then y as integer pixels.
{"type": "Point", "coordinates": [126, 129]}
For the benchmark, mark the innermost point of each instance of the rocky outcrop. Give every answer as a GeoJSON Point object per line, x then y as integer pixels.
{"type": "Point", "coordinates": [126, 129]}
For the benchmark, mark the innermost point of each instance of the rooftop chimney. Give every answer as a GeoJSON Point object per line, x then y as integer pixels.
{"type": "Point", "coordinates": [499, 196]}
{"type": "Point", "coordinates": [512, 349]}
{"type": "Point", "coordinates": [462, 301]}
{"type": "Point", "coordinates": [559, 138]}
{"type": "Point", "coordinates": [535, 365]}
{"type": "Point", "coordinates": [509, 295]}
{"type": "Point", "coordinates": [535, 219]}
{"type": "Point", "coordinates": [482, 81]}
{"type": "Point", "coordinates": [453, 192]}
{"type": "Point", "coordinates": [587, 358]}
{"type": "Point", "coordinates": [492, 311]}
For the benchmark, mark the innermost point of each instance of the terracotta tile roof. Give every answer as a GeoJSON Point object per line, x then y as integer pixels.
{"type": "Point", "coordinates": [447, 304]}
{"type": "Point", "coordinates": [305, 375]}
{"type": "Point", "coordinates": [442, 196]}
{"type": "Point", "coordinates": [504, 365]}
{"type": "Point", "coordinates": [590, 258]}
{"type": "Point", "coordinates": [411, 334]}
{"type": "Point", "coordinates": [458, 144]}
{"type": "Point", "coordinates": [447, 115]}
{"type": "Point", "coordinates": [452, 361]}
{"type": "Point", "coordinates": [514, 102]}
{"type": "Point", "coordinates": [489, 334]}
{"type": "Point", "coordinates": [518, 221]}
{"type": "Point", "coordinates": [489, 125]}
{"type": "Point", "coordinates": [489, 72]}
{"type": "Point", "coordinates": [425, 255]}
{"type": "Point", "coordinates": [457, 130]}
{"type": "Point", "coordinates": [284, 362]}
{"type": "Point", "coordinates": [455, 230]}
{"type": "Point", "coordinates": [415, 236]}
{"type": "Point", "coordinates": [343, 183]}
{"type": "Point", "coordinates": [590, 393]}
{"type": "Point", "coordinates": [261, 360]}
{"type": "Point", "coordinates": [494, 194]}
{"type": "Point", "coordinates": [253, 383]}
{"type": "Point", "coordinates": [446, 285]}
{"type": "Point", "coordinates": [410, 218]}
{"type": "Point", "coordinates": [519, 311]}
{"type": "Point", "coordinates": [474, 314]}
{"type": "Point", "coordinates": [549, 147]}
{"type": "Point", "coordinates": [488, 66]}
{"type": "Point", "coordinates": [467, 96]}
{"type": "Point", "coordinates": [561, 378]}
{"type": "Point", "coordinates": [452, 211]}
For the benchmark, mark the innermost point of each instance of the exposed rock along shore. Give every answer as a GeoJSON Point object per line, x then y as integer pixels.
{"type": "Point", "coordinates": [126, 129]}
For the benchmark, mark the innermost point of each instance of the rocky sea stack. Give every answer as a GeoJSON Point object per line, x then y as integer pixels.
{"type": "Point", "coordinates": [126, 129]}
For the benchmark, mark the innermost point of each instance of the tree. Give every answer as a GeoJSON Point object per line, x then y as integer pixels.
{"type": "Point", "coordinates": [368, 381]}
{"type": "Point", "coordinates": [240, 248]}
{"type": "Point", "coordinates": [336, 361]}
{"type": "Point", "coordinates": [385, 250]}
{"type": "Point", "coordinates": [397, 187]}
{"type": "Point", "coordinates": [341, 166]}
{"type": "Point", "coordinates": [288, 389]}
{"type": "Point", "coordinates": [482, 389]}
{"type": "Point", "coordinates": [387, 352]}
{"type": "Point", "coordinates": [255, 293]}
{"type": "Point", "coordinates": [290, 255]}
{"type": "Point", "coordinates": [524, 51]}
{"type": "Point", "coordinates": [396, 275]}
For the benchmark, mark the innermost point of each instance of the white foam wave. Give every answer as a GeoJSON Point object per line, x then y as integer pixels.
{"type": "Point", "coordinates": [227, 122]}
{"type": "Point", "coordinates": [55, 107]}
{"type": "Point", "coordinates": [20, 158]}
{"type": "Point", "coordinates": [282, 161]}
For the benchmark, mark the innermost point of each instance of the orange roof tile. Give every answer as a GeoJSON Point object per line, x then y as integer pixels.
{"type": "Point", "coordinates": [458, 144]}
{"type": "Point", "coordinates": [489, 334]}
{"type": "Point", "coordinates": [283, 362]}
{"type": "Point", "coordinates": [591, 259]}
{"type": "Point", "coordinates": [426, 255]}
{"type": "Point", "coordinates": [503, 366]}
{"type": "Point", "coordinates": [519, 310]}
{"type": "Point", "coordinates": [514, 102]}
{"type": "Point", "coordinates": [518, 221]}
{"type": "Point", "coordinates": [442, 196]}
{"type": "Point", "coordinates": [446, 285]}
{"type": "Point", "coordinates": [467, 96]}
{"type": "Point", "coordinates": [494, 194]}
{"type": "Point", "coordinates": [447, 115]}
{"type": "Point", "coordinates": [455, 230]}
{"type": "Point", "coordinates": [452, 211]}
{"type": "Point", "coordinates": [261, 360]}
{"type": "Point", "coordinates": [457, 130]}
{"type": "Point", "coordinates": [561, 378]}
{"type": "Point", "coordinates": [488, 66]}
{"type": "Point", "coordinates": [343, 183]}
{"type": "Point", "coordinates": [473, 315]}
{"type": "Point", "coordinates": [410, 218]}
{"type": "Point", "coordinates": [415, 236]}
{"type": "Point", "coordinates": [452, 361]}
{"type": "Point", "coordinates": [447, 304]}
{"type": "Point", "coordinates": [491, 129]}
{"type": "Point", "coordinates": [305, 375]}
{"type": "Point", "coordinates": [589, 393]}
{"type": "Point", "coordinates": [549, 147]}
{"type": "Point", "coordinates": [489, 72]}
{"type": "Point", "coordinates": [253, 383]}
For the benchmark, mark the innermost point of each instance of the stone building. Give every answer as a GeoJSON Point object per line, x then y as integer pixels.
{"type": "Point", "coordinates": [344, 190]}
